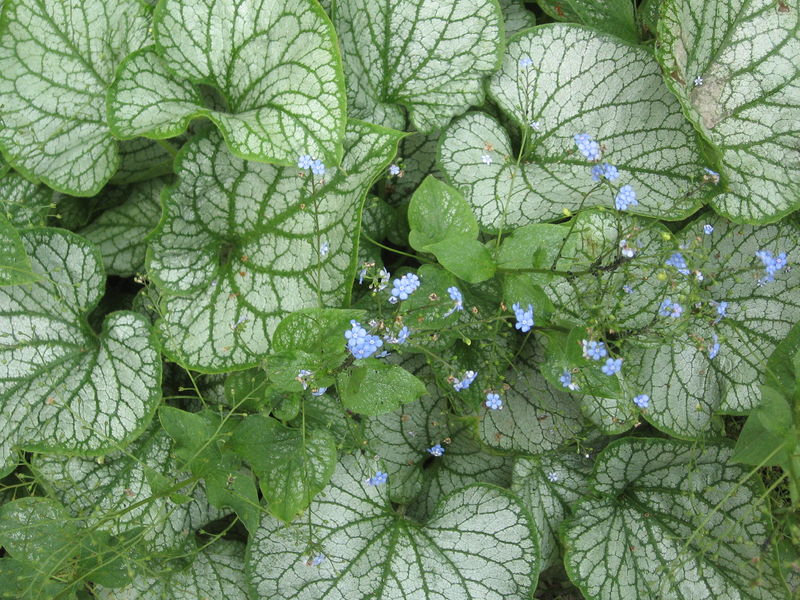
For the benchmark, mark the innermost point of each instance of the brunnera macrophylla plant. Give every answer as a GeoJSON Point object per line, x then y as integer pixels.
{"type": "Point", "coordinates": [402, 301]}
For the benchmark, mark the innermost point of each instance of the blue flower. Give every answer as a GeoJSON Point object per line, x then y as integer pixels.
{"type": "Point", "coordinates": [566, 380]}
{"type": "Point", "coordinates": [771, 264]}
{"type": "Point", "coordinates": [303, 377]}
{"type": "Point", "coordinates": [394, 170]}
{"type": "Point", "coordinates": [493, 401]}
{"type": "Point", "coordinates": [587, 146]}
{"type": "Point", "coordinates": [436, 450]}
{"type": "Point", "coordinates": [455, 296]}
{"type": "Point", "coordinates": [677, 261]}
{"type": "Point", "coordinates": [714, 349]}
{"type": "Point", "coordinates": [404, 287]}
{"type": "Point", "coordinates": [378, 479]}
{"type": "Point", "coordinates": [593, 349]}
{"type": "Point", "coordinates": [319, 391]}
{"type": "Point", "coordinates": [698, 81]}
{"type": "Point", "coordinates": [722, 311]}
{"type": "Point", "coordinates": [627, 289]}
{"type": "Point", "coordinates": [304, 162]}
{"type": "Point", "coordinates": [525, 61]}
{"type": "Point", "coordinates": [613, 365]}
{"type": "Point", "coordinates": [466, 381]}
{"type": "Point", "coordinates": [626, 196]}
{"type": "Point", "coordinates": [316, 560]}
{"type": "Point", "coordinates": [359, 342]}
{"type": "Point", "coordinates": [486, 159]}
{"type": "Point", "coordinates": [324, 248]}
{"type": "Point", "coordinates": [606, 170]}
{"type": "Point", "coordinates": [708, 229]}
{"type": "Point", "coordinates": [317, 168]}
{"type": "Point", "coordinates": [535, 125]}
{"type": "Point", "coordinates": [524, 317]}
{"type": "Point", "coordinates": [552, 477]}
{"type": "Point", "coordinates": [711, 176]}
{"type": "Point", "coordinates": [400, 338]}
{"type": "Point", "coordinates": [642, 400]}
{"type": "Point", "coordinates": [669, 308]}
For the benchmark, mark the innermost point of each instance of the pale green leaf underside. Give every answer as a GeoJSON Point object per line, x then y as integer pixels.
{"type": "Point", "coordinates": [24, 204]}
{"type": "Point", "coordinates": [747, 54]}
{"type": "Point", "coordinates": [216, 573]}
{"type": "Point", "coordinates": [609, 16]}
{"type": "Point", "coordinates": [400, 439]}
{"type": "Point", "coordinates": [427, 56]}
{"type": "Point", "coordinates": [581, 81]}
{"type": "Point", "coordinates": [685, 386]}
{"type": "Point", "coordinates": [56, 61]}
{"type": "Point", "coordinates": [120, 231]}
{"type": "Point", "coordinates": [62, 387]}
{"type": "Point", "coordinates": [549, 501]}
{"type": "Point", "coordinates": [635, 540]}
{"type": "Point", "coordinates": [479, 543]}
{"type": "Point", "coordinates": [276, 65]}
{"type": "Point", "coordinates": [267, 226]}
{"type": "Point", "coordinates": [535, 416]}
{"type": "Point", "coordinates": [15, 266]}
{"type": "Point", "coordinates": [516, 16]}
{"type": "Point", "coordinates": [91, 490]}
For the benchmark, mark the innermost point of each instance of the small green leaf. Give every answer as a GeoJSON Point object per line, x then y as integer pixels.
{"type": "Point", "coordinates": [608, 16]}
{"type": "Point", "coordinates": [15, 266]}
{"type": "Point", "coordinates": [63, 387]}
{"type": "Point", "coordinates": [465, 257]}
{"type": "Point", "coordinates": [373, 387]}
{"type": "Point", "coordinates": [670, 520]}
{"type": "Point", "coordinates": [437, 212]}
{"type": "Point", "coordinates": [216, 572]}
{"type": "Point", "coordinates": [120, 231]}
{"type": "Point", "coordinates": [745, 102]}
{"type": "Point", "coordinates": [279, 72]}
{"type": "Point", "coordinates": [292, 465]}
{"type": "Point", "coordinates": [478, 543]}
{"type": "Point", "coordinates": [56, 61]}
{"type": "Point", "coordinates": [315, 330]}
{"type": "Point", "coordinates": [427, 56]}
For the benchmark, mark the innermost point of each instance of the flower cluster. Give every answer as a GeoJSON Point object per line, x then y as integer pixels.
{"type": "Point", "coordinates": [455, 296]}
{"type": "Point", "coordinates": [436, 450]}
{"type": "Point", "coordinates": [587, 146]}
{"type": "Point", "coordinates": [772, 264]}
{"type": "Point", "coordinates": [677, 261]}
{"type": "Point", "coordinates": [593, 349]}
{"type": "Point", "coordinates": [669, 308]}
{"type": "Point", "coordinates": [360, 343]}
{"type": "Point", "coordinates": [605, 170]}
{"type": "Point", "coordinates": [626, 197]}
{"type": "Point", "coordinates": [307, 162]}
{"type": "Point", "coordinates": [464, 382]}
{"type": "Point", "coordinates": [378, 479]}
{"type": "Point", "coordinates": [405, 286]}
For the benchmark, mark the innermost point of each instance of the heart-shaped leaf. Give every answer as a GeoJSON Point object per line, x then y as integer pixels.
{"type": "Point", "coordinates": [120, 231]}
{"type": "Point", "coordinates": [609, 16]}
{"type": "Point", "coordinates": [669, 520]}
{"type": "Point", "coordinates": [276, 66]}
{"type": "Point", "coordinates": [62, 386]}
{"type": "Point", "coordinates": [427, 56]}
{"type": "Point", "coordinates": [557, 81]}
{"type": "Point", "coordinates": [735, 67]}
{"type": "Point", "coordinates": [479, 543]}
{"type": "Point", "coordinates": [56, 61]}
{"type": "Point", "coordinates": [242, 244]}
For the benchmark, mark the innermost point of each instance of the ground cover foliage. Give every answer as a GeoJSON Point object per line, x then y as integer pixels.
{"type": "Point", "coordinates": [399, 300]}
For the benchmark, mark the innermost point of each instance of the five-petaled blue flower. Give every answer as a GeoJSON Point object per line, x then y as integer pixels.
{"type": "Point", "coordinates": [772, 264]}
{"type": "Point", "coordinates": [436, 450]}
{"type": "Point", "coordinates": [359, 342]}
{"type": "Point", "coordinates": [466, 381]}
{"type": "Point", "coordinates": [493, 401]}
{"type": "Point", "coordinates": [669, 308]}
{"type": "Point", "coordinates": [525, 61]}
{"type": "Point", "coordinates": [305, 161]}
{"type": "Point", "coordinates": [642, 400]}
{"type": "Point", "coordinates": [587, 146]}
{"type": "Point", "coordinates": [524, 317]}
{"type": "Point", "coordinates": [606, 170]}
{"type": "Point", "coordinates": [593, 349]}
{"type": "Point", "coordinates": [404, 287]}
{"type": "Point", "coordinates": [317, 168]}
{"type": "Point", "coordinates": [566, 380]}
{"type": "Point", "coordinates": [394, 170]}
{"type": "Point", "coordinates": [378, 479]}
{"type": "Point", "coordinates": [677, 261]}
{"type": "Point", "coordinates": [626, 196]}
{"type": "Point", "coordinates": [552, 477]}
{"type": "Point", "coordinates": [708, 229]}
{"type": "Point", "coordinates": [613, 365]}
